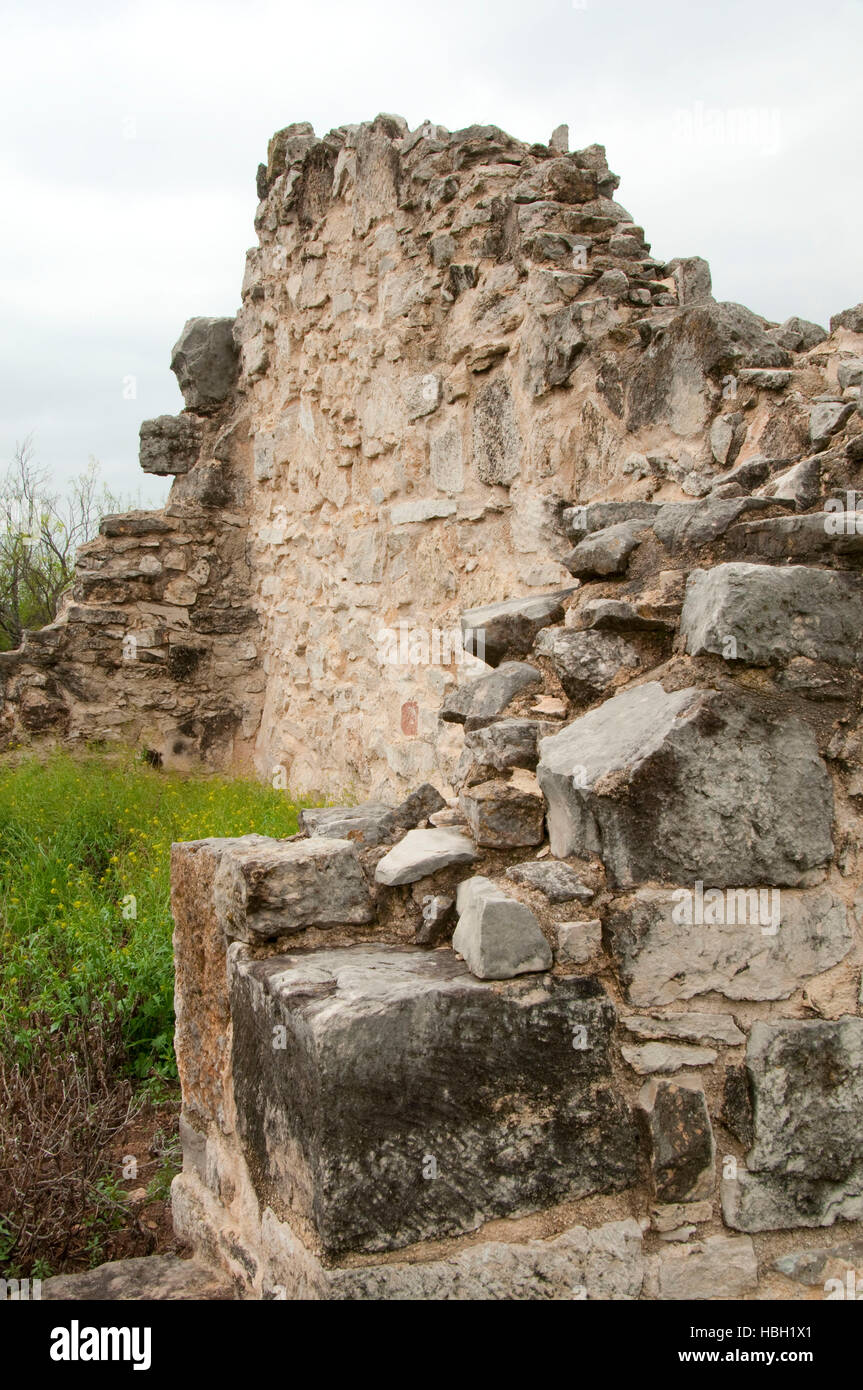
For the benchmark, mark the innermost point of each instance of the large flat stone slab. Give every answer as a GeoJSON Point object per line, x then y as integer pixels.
{"type": "Point", "coordinates": [424, 852]}
{"type": "Point", "coordinates": [767, 613]}
{"type": "Point", "coordinates": [150, 1278]}
{"type": "Point", "coordinates": [688, 785]}
{"type": "Point", "coordinates": [405, 1100]}
{"type": "Point", "coordinates": [268, 888]}
{"type": "Point", "coordinates": [765, 947]}
{"type": "Point", "coordinates": [501, 631]}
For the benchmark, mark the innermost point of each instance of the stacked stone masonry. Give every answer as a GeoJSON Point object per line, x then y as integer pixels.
{"type": "Point", "coordinates": [490, 519]}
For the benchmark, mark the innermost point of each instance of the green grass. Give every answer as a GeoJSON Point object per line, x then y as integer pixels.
{"type": "Point", "coordinates": [85, 919]}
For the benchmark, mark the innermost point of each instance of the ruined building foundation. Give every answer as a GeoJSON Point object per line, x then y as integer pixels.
{"type": "Point", "coordinates": [544, 567]}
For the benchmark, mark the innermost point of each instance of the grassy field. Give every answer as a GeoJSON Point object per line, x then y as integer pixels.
{"type": "Point", "coordinates": [85, 920]}
{"type": "Point", "coordinates": [87, 1069]}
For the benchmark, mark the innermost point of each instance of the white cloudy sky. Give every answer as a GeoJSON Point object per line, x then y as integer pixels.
{"type": "Point", "coordinates": [130, 135]}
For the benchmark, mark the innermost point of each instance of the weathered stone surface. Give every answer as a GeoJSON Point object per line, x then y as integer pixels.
{"type": "Point", "coordinates": [149, 1278]}
{"type": "Point", "coordinates": [807, 1081]}
{"type": "Point", "coordinates": [800, 484]}
{"type": "Point", "coordinates": [577, 942]}
{"type": "Point", "coordinates": [688, 525]}
{"type": "Point", "coordinates": [814, 1265]}
{"type": "Point", "coordinates": [588, 663]}
{"type": "Point", "coordinates": [204, 361]}
{"type": "Point", "coordinates": [497, 442]}
{"type": "Point", "coordinates": [504, 815]}
{"type": "Point", "coordinates": [480, 701]}
{"type": "Point", "coordinates": [419, 806]}
{"type": "Point", "coordinates": [394, 1057]}
{"type": "Point", "coordinates": [798, 335]}
{"type": "Point", "coordinates": [664, 786]}
{"type": "Point", "coordinates": [507, 743]}
{"type": "Point", "coordinates": [424, 852]}
{"type": "Point", "coordinates": [691, 275]}
{"type": "Point", "coordinates": [169, 444]}
{"type": "Point", "coordinates": [438, 917]}
{"type": "Point", "coordinates": [666, 1057]}
{"type": "Point", "coordinates": [680, 1137]}
{"type": "Point", "coordinates": [268, 888]}
{"type": "Point", "coordinates": [687, 1027]}
{"type": "Point", "coordinates": [605, 552]}
{"type": "Point", "coordinates": [617, 615]}
{"type": "Point", "coordinates": [826, 417]}
{"type": "Point", "coordinates": [721, 1267]}
{"type": "Point", "coordinates": [849, 318]}
{"type": "Point", "coordinates": [771, 1201]}
{"type": "Point", "coordinates": [558, 882]}
{"type": "Point", "coordinates": [798, 537]}
{"type": "Point", "coordinates": [763, 614]}
{"type": "Point", "coordinates": [367, 824]}
{"type": "Point", "coordinates": [604, 1263]}
{"type": "Point", "coordinates": [498, 937]}
{"type": "Point", "coordinates": [501, 631]}
{"type": "Point", "coordinates": [600, 516]}
{"type": "Point", "coordinates": [667, 1217]}
{"type": "Point", "coordinates": [662, 959]}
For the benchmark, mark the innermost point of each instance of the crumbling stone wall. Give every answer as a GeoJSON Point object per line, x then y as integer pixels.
{"type": "Point", "coordinates": [580, 1015]}
{"type": "Point", "coordinates": [444, 341]}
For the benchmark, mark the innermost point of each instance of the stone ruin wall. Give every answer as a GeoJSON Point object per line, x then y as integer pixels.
{"type": "Point", "coordinates": [444, 340]}
{"type": "Point", "coordinates": [460, 392]}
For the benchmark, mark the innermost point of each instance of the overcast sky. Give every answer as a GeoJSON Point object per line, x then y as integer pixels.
{"type": "Point", "coordinates": [131, 133]}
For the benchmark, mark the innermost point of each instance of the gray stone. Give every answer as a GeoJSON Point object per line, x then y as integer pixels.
{"type": "Point", "coordinates": [497, 441]}
{"type": "Point", "coordinates": [690, 525]}
{"type": "Point", "coordinates": [727, 434]}
{"type": "Point", "coordinates": [798, 335]}
{"type": "Point", "coordinates": [604, 1263]}
{"type": "Point", "coordinates": [371, 823]}
{"type": "Point", "coordinates": [552, 347]}
{"type": "Point", "coordinates": [597, 516]}
{"type": "Point", "coordinates": [662, 957]}
{"type": "Point", "coordinates": [688, 1027]}
{"type": "Point", "coordinates": [767, 614]}
{"type": "Point", "coordinates": [419, 806]}
{"type": "Point", "coordinates": [848, 318]}
{"type": "Point", "coordinates": [773, 1201]}
{"type": "Point", "coordinates": [148, 1278]}
{"type": "Point", "coordinates": [500, 631]}
{"type": "Point", "coordinates": [410, 1100]}
{"type": "Point", "coordinates": [825, 419]}
{"type": "Point", "coordinates": [688, 785]}
{"type": "Point", "coordinates": [557, 881]}
{"type": "Point", "coordinates": [666, 1057]}
{"type": "Point", "coordinates": [813, 1266]}
{"type": "Point", "coordinates": [606, 552]}
{"type": "Point", "coordinates": [680, 1139]}
{"type": "Point", "coordinates": [170, 444]}
{"type": "Point", "coordinates": [446, 463]}
{"type": "Point", "coordinates": [421, 395]}
{"type": "Point", "coordinates": [204, 361]}
{"type": "Point", "coordinates": [267, 888]}
{"type": "Point", "coordinates": [507, 743]}
{"type": "Point", "coordinates": [850, 373]}
{"type": "Point", "coordinates": [800, 484]}
{"type": "Point", "coordinates": [798, 537]}
{"type": "Point", "coordinates": [423, 852]}
{"type": "Point", "coordinates": [498, 937]}
{"type": "Point", "coordinates": [586, 663]}
{"type": "Point", "coordinates": [691, 275]}
{"type": "Point", "coordinates": [504, 815]}
{"type": "Point", "coordinates": [807, 1083]}
{"type": "Point", "coordinates": [479, 702]}
{"type": "Point", "coordinates": [764, 379]}
{"type": "Point", "coordinates": [617, 615]}
{"type": "Point", "coordinates": [578, 942]}
{"type": "Point", "coordinates": [438, 915]}
{"type": "Point", "coordinates": [721, 1267]}
{"type": "Point", "coordinates": [736, 1113]}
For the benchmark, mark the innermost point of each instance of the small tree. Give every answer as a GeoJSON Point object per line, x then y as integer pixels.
{"type": "Point", "coordinates": [40, 533]}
